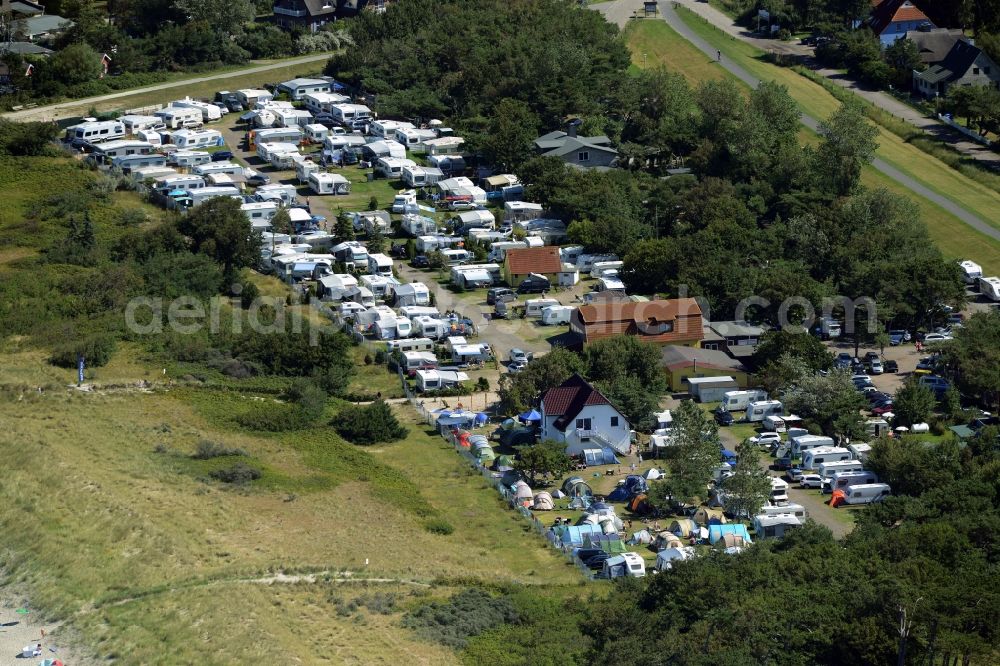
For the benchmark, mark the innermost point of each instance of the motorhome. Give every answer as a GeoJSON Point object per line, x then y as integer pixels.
{"type": "Point", "coordinates": [279, 191]}
{"type": "Point", "coordinates": [189, 158]}
{"type": "Point", "coordinates": [346, 114]}
{"type": "Point", "coordinates": [971, 271]}
{"type": "Point", "coordinates": [411, 344]}
{"type": "Point", "coordinates": [177, 117]}
{"type": "Point", "coordinates": [602, 268]}
{"type": "Point", "coordinates": [418, 176]}
{"type": "Point", "coordinates": [625, 565]}
{"type": "Point", "coordinates": [758, 410]}
{"type": "Point", "coordinates": [379, 264]}
{"type": "Point", "coordinates": [96, 131]}
{"type": "Point", "coordinates": [737, 401]}
{"type": "Point", "coordinates": [829, 328]}
{"type": "Point", "coordinates": [454, 257]}
{"type": "Point", "coordinates": [192, 138]}
{"type": "Point", "coordinates": [352, 253]}
{"type": "Point", "coordinates": [209, 112]}
{"type": "Point", "coordinates": [866, 493]}
{"type": "Point", "coordinates": [803, 443]}
{"type": "Point", "coordinates": [555, 315]}
{"type": "Point", "coordinates": [260, 212]}
{"type": "Point", "coordinates": [418, 360]}
{"type": "Point", "coordinates": [386, 129]}
{"type": "Point", "coordinates": [796, 510]}
{"type": "Point", "coordinates": [779, 491]}
{"type": "Point", "coordinates": [990, 288]}
{"type": "Point", "coordinates": [820, 455]}
{"type": "Point", "coordinates": [136, 123]}
{"type": "Point", "coordinates": [129, 162]}
{"type": "Point", "coordinates": [322, 182]}
{"type": "Point", "coordinates": [534, 307]}
{"type": "Point", "coordinates": [403, 199]}
{"type": "Point", "coordinates": [841, 480]}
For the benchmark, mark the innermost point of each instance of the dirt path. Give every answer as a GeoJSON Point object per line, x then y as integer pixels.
{"type": "Point", "coordinates": [18, 631]}
{"type": "Point", "coordinates": [64, 109]}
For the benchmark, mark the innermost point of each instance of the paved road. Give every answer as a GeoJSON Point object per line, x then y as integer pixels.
{"type": "Point", "coordinates": [62, 109]}
{"type": "Point", "coordinates": [619, 12]}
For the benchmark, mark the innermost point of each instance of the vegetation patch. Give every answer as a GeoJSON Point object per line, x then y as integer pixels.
{"type": "Point", "coordinates": [467, 614]}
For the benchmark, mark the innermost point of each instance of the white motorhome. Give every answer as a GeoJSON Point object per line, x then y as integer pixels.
{"type": "Point", "coordinates": [280, 191]}
{"type": "Point", "coordinates": [322, 182]}
{"type": "Point", "coordinates": [191, 138]}
{"type": "Point", "coordinates": [534, 307]}
{"type": "Point", "coordinates": [820, 455]}
{"type": "Point", "coordinates": [209, 112]}
{"type": "Point", "coordinates": [386, 129]}
{"type": "Point", "coordinates": [96, 131]}
{"type": "Point", "coordinates": [971, 271]}
{"type": "Point", "coordinates": [346, 114]}
{"type": "Point", "coordinates": [758, 410]}
{"type": "Point", "coordinates": [803, 443]}
{"type": "Point", "coordinates": [737, 401]}
{"type": "Point", "coordinates": [841, 480]}
{"type": "Point", "coordinates": [392, 167]}
{"type": "Point", "coordinates": [990, 288]}
{"type": "Point", "coordinates": [431, 327]}
{"type": "Point", "coordinates": [866, 493]}
{"type": "Point", "coordinates": [189, 158]}
{"type": "Point", "coordinates": [403, 199]}
{"type": "Point", "coordinates": [176, 117]}
{"type": "Point", "coordinates": [136, 123]}
{"type": "Point", "coordinates": [625, 565]}
{"type": "Point", "coordinates": [379, 264]}
{"type": "Point", "coordinates": [779, 491]}
{"type": "Point", "coordinates": [454, 257]}
{"type": "Point", "coordinates": [796, 510]}
{"type": "Point", "coordinates": [554, 315]}
{"type": "Point", "coordinates": [829, 469]}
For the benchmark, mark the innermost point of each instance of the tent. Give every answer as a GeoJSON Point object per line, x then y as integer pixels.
{"type": "Point", "coordinates": [730, 542]}
{"type": "Point", "coordinates": [631, 485]}
{"type": "Point", "coordinates": [558, 494]}
{"type": "Point", "coordinates": [476, 444]}
{"type": "Point", "coordinates": [642, 537]}
{"type": "Point", "coordinates": [609, 525]}
{"type": "Point", "coordinates": [609, 543]}
{"type": "Point", "coordinates": [530, 415]}
{"type": "Point", "coordinates": [478, 439]}
{"type": "Point", "coordinates": [639, 505]}
{"type": "Point", "coordinates": [574, 486]}
{"type": "Point", "coordinates": [718, 532]}
{"type": "Point", "coordinates": [705, 516]}
{"type": "Point", "coordinates": [482, 418]}
{"type": "Point", "coordinates": [486, 455]}
{"type": "Point", "coordinates": [682, 527]}
{"type": "Point", "coordinates": [603, 456]}
{"type": "Point", "coordinates": [573, 534]}
{"type": "Point", "coordinates": [665, 558]}
{"type": "Point", "coordinates": [666, 540]}
{"type": "Point", "coordinates": [620, 493]}
{"type": "Point", "coordinates": [522, 491]}
{"type": "Point", "coordinates": [652, 474]}
{"type": "Point", "coordinates": [503, 463]}
{"type": "Point", "coordinates": [601, 508]}
{"type": "Point", "coordinates": [542, 502]}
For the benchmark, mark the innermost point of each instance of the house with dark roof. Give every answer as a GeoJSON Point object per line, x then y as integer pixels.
{"type": "Point", "coordinates": [521, 262]}
{"type": "Point", "coordinates": [308, 15]}
{"type": "Point", "coordinates": [934, 45]}
{"type": "Point", "coordinates": [892, 19]}
{"type": "Point", "coordinates": [580, 416]}
{"type": "Point", "coordinates": [581, 151]}
{"type": "Point", "coordinates": [675, 321]}
{"type": "Point", "coordinates": [965, 65]}
{"type": "Point", "coordinates": [737, 338]}
{"type": "Point", "coordinates": [21, 8]}
{"type": "Point", "coordinates": [40, 27]}
{"type": "Point", "coordinates": [683, 363]}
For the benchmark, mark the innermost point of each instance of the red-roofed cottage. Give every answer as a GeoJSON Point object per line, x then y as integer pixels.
{"type": "Point", "coordinates": [892, 19]}
{"type": "Point", "coordinates": [579, 415]}
{"type": "Point", "coordinates": [521, 262]}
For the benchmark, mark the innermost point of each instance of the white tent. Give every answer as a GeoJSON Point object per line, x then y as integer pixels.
{"type": "Point", "coordinates": [642, 537]}
{"type": "Point", "coordinates": [665, 558]}
{"type": "Point", "coordinates": [543, 502]}
{"type": "Point", "coordinates": [652, 474]}
{"type": "Point", "coordinates": [522, 491]}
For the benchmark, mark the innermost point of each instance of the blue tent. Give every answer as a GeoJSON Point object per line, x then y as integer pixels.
{"type": "Point", "coordinates": [573, 534]}
{"type": "Point", "coordinates": [604, 456]}
{"type": "Point", "coordinates": [729, 456]}
{"type": "Point", "coordinates": [716, 532]}
{"type": "Point", "coordinates": [531, 415]}
{"type": "Point", "coordinates": [619, 494]}
{"type": "Point", "coordinates": [481, 418]}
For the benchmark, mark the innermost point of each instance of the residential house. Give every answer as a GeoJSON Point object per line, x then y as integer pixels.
{"type": "Point", "coordinates": [307, 15]}
{"type": "Point", "coordinates": [40, 27]}
{"type": "Point", "coordinates": [578, 415]}
{"type": "Point", "coordinates": [965, 65]}
{"type": "Point", "coordinates": [892, 19]}
{"type": "Point", "coordinates": [582, 151]}
{"type": "Point", "coordinates": [737, 338]}
{"type": "Point", "coordinates": [664, 322]}
{"type": "Point", "coordinates": [520, 262]}
{"type": "Point", "coordinates": [683, 362]}
{"type": "Point", "coordinates": [299, 88]}
{"type": "Point", "coordinates": [20, 8]}
{"type": "Point", "coordinates": [934, 45]}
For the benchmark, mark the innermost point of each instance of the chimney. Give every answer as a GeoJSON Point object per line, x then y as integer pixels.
{"type": "Point", "coordinates": [571, 127]}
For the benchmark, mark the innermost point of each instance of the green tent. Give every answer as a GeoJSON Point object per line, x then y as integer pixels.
{"type": "Point", "coordinates": [609, 543]}
{"type": "Point", "coordinates": [486, 455]}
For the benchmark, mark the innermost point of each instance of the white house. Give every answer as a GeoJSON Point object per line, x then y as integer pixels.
{"type": "Point", "coordinates": [579, 415]}
{"type": "Point", "coordinates": [299, 88]}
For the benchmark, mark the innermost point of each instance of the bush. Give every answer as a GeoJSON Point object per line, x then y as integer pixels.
{"type": "Point", "coordinates": [439, 526]}
{"type": "Point", "coordinates": [95, 349]}
{"type": "Point", "coordinates": [370, 424]}
{"type": "Point", "coordinates": [467, 614]}
{"type": "Point", "coordinates": [239, 474]}
{"type": "Point", "coordinates": [275, 417]}
{"type": "Point", "coordinates": [206, 450]}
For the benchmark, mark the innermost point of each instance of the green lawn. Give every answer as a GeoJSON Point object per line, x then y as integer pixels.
{"type": "Point", "coordinates": [663, 47]}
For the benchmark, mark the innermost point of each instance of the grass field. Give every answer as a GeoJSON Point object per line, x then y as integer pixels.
{"type": "Point", "coordinates": [655, 44]}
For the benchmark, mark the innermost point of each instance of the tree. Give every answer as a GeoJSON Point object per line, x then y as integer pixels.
{"type": "Point", "coordinates": [783, 372]}
{"type": "Point", "coordinates": [913, 403]}
{"type": "Point", "coordinates": [696, 452]}
{"type": "Point", "coordinates": [749, 488]}
{"type": "Point", "coordinates": [542, 459]}
{"type": "Point", "coordinates": [832, 402]}
{"type": "Point", "coordinates": [848, 144]}
{"type": "Point", "coordinates": [519, 391]}
{"type": "Point", "coordinates": [973, 357]}
{"type": "Point", "coordinates": [376, 240]}
{"type": "Point", "coordinates": [77, 63]}
{"type": "Point", "coordinates": [510, 133]}
{"type": "Point", "coordinates": [220, 229]}
{"type": "Point", "coordinates": [344, 229]}
{"type": "Point", "coordinates": [227, 16]}
{"type": "Point", "coordinates": [281, 223]}
{"type": "Point", "coordinates": [781, 342]}
{"type": "Point", "coordinates": [368, 424]}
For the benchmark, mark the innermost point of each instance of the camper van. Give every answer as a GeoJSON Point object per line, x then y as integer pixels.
{"type": "Point", "coordinates": [96, 131]}
{"type": "Point", "coordinates": [841, 480]}
{"type": "Point", "coordinates": [758, 410]}
{"type": "Point", "coordinates": [779, 491]}
{"type": "Point", "coordinates": [428, 326]}
{"type": "Point", "coordinates": [601, 269]}
{"type": "Point", "coordinates": [813, 458]}
{"type": "Point", "coordinates": [990, 288]}
{"type": "Point", "coordinates": [404, 199]}
{"type": "Point", "coordinates": [554, 315]}
{"type": "Point", "coordinates": [866, 493]}
{"type": "Point", "coordinates": [379, 264]}
{"type": "Point", "coordinates": [971, 271]}
{"type": "Point", "coordinates": [454, 257]}
{"type": "Point", "coordinates": [410, 345]}
{"type": "Point", "coordinates": [418, 360]}
{"type": "Point", "coordinates": [830, 469]}
{"type": "Point", "coordinates": [829, 328]}
{"type": "Point", "coordinates": [624, 565]}
{"type": "Point", "coordinates": [803, 443]}
{"type": "Point", "coordinates": [737, 401]}
{"type": "Point", "coordinates": [533, 307]}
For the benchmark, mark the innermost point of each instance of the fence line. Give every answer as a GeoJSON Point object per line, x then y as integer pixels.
{"type": "Point", "coordinates": [965, 130]}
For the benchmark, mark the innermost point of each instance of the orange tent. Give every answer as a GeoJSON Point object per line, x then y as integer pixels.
{"type": "Point", "coordinates": [837, 499]}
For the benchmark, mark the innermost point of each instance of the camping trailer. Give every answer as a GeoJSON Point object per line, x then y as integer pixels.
{"type": "Point", "coordinates": [712, 389]}
{"type": "Point", "coordinates": [860, 450]}
{"type": "Point", "coordinates": [737, 401]}
{"type": "Point", "coordinates": [866, 493]}
{"type": "Point", "coordinates": [209, 112]}
{"type": "Point", "coordinates": [411, 344]}
{"type": "Point", "coordinates": [758, 410]}
{"type": "Point", "coordinates": [554, 315]}
{"type": "Point", "coordinates": [533, 307]}
{"type": "Point", "coordinates": [322, 182]}
{"type": "Point", "coordinates": [829, 469]}
{"type": "Point", "coordinates": [803, 443]}
{"type": "Point", "coordinates": [841, 480]}
{"type": "Point", "coordinates": [176, 117]}
{"type": "Point", "coordinates": [96, 131]}
{"type": "Point", "coordinates": [815, 457]}
{"type": "Point", "coordinates": [990, 288]}
{"type": "Point", "coordinates": [971, 271]}
{"type": "Point", "coordinates": [624, 565]}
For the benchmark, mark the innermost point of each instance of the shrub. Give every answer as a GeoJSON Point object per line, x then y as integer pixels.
{"type": "Point", "coordinates": [370, 424]}
{"type": "Point", "coordinates": [439, 526]}
{"type": "Point", "coordinates": [467, 614]}
{"type": "Point", "coordinates": [96, 350]}
{"type": "Point", "coordinates": [383, 603]}
{"type": "Point", "coordinates": [275, 417]}
{"type": "Point", "coordinates": [239, 474]}
{"type": "Point", "coordinates": [380, 356]}
{"type": "Point", "coordinates": [207, 449]}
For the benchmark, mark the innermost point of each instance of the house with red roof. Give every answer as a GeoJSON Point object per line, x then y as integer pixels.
{"type": "Point", "coordinates": [892, 19]}
{"type": "Point", "coordinates": [522, 262]}
{"type": "Point", "coordinates": [580, 416]}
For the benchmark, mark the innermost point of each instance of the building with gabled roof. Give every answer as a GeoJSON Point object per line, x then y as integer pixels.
{"type": "Point", "coordinates": [676, 321]}
{"type": "Point", "coordinates": [519, 263]}
{"type": "Point", "coordinates": [581, 151]}
{"type": "Point", "coordinates": [965, 65]}
{"type": "Point", "coordinates": [892, 19]}
{"type": "Point", "coordinates": [579, 415]}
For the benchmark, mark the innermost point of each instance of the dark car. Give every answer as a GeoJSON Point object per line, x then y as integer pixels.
{"type": "Point", "coordinates": [858, 367]}
{"type": "Point", "coordinates": [875, 397]}
{"type": "Point", "coordinates": [936, 384]}
{"type": "Point", "coordinates": [871, 356]}
{"type": "Point", "coordinates": [843, 360]}
{"type": "Point", "coordinates": [891, 367]}
{"type": "Point", "coordinates": [420, 261]}
{"type": "Point", "coordinates": [398, 251]}
{"type": "Point", "coordinates": [222, 156]}
{"type": "Point", "coordinates": [783, 463]}
{"type": "Point", "coordinates": [258, 179]}
{"type": "Point", "coordinates": [500, 294]}
{"type": "Point", "coordinates": [723, 417]}
{"type": "Point", "coordinates": [898, 337]}
{"type": "Point", "coordinates": [534, 284]}
{"type": "Point", "coordinates": [882, 408]}
{"type": "Point", "coordinates": [596, 561]}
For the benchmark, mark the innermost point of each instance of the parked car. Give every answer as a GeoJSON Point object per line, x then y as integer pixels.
{"type": "Point", "coordinates": [517, 366]}
{"type": "Point", "coordinates": [765, 439]}
{"type": "Point", "coordinates": [843, 360]}
{"type": "Point", "coordinates": [898, 337]}
{"type": "Point", "coordinates": [500, 294]}
{"type": "Point", "coordinates": [891, 367]}
{"type": "Point", "coordinates": [810, 481]}
{"type": "Point", "coordinates": [420, 261]}
{"type": "Point", "coordinates": [595, 561]}
{"type": "Point", "coordinates": [724, 417]}
{"type": "Point", "coordinates": [222, 155]}
{"type": "Point", "coordinates": [956, 319]}
{"type": "Point", "coordinates": [882, 408]}
{"type": "Point", "coordinates": [937, 384]}
{"type": "Point", "coordinates": [534, 284]}
{"type": "Point", "coordinates": [875, 367]}
{"type": "Point", "coordinates": [784, 463]}
{"type": "Point", "coordinates": [519, 355]}
{"type": "Point", "coordinates": [871, 356]}
{"type": "Point", "coordinates": [794, 474]}
{"type": "Point", "coordinates": [936, 337]}
{"type": "Point", "coordinates": [258, 179]}
{"type": "Point", "coordinates": [875, 397]}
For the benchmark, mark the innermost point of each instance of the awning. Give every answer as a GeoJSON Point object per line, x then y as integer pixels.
{"type": "Point", "coordinates": [531, 415]}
